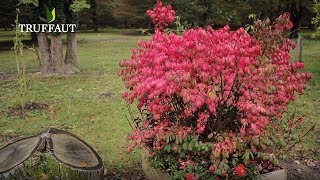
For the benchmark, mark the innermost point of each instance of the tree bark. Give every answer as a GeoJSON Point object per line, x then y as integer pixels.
{"type": "Point", "coordinates": [33, 37]}
{"type": "Point", "coordinates": [71, 60]}
{"type": "Point", "coordinates": [296, 18]}
{"type": "Point", "coordinates": [57, 55]}
{"type": "Point", "coordinates": [44, 53]}
{"type": "Point", "coordinates": [95, 24]}
{"type": "Point", "coordinates": [94, 15]}
{"type": "Point", "coordinates": [296, 27]}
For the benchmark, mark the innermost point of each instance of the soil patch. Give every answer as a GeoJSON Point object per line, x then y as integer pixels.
{"type": "Point", "coordinates": [265, 166]}
{"type": "Point", "coordinates": [6, 77]}
{"type": "Point", "coordinates": [301, 171]}
{"type": "Point", "coordinates": [132, 174]}
{"type": "Point", "coordinates": [106, 94]}
{"type": "Point", "coordinates": [295, 172]}
{"type": "Point", "coordinates": [22, 111]}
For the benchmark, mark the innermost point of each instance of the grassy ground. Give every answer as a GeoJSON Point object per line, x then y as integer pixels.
{"type": "Point", "coordinates": [75, 104]}
{"type": "Point", "coordinates": [308, 104]}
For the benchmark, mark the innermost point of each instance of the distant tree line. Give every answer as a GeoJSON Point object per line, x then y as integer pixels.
{"type": "Point", "coordinates": [131, 13]}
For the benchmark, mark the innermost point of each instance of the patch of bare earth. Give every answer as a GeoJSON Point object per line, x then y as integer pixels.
{"type": "Point", "coordinates": [132, 174]}
{"type": "Point", "coordinates": [302, 170]}
{"type": "Point", "coordinates": [22, 111]}
{"type": "Point", "coordinates": [6, 77]}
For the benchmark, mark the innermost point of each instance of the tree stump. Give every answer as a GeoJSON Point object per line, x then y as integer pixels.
{"type": "Point", "coordinates": [66, 148]}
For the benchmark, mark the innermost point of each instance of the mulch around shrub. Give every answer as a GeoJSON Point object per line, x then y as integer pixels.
{"type": "Point", "coordinates": [295, 172]}
{"type": "Point", "coordinates": [132, 174]}
{"type": "Point", "coordinates": [301, 171]}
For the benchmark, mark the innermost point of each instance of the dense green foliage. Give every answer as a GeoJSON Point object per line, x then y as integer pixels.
{"type": "Point", "coordinates": [66, 10]}
{"type": "Point", "coordinates": [206, 12]}
{"type": "Point", "coordinates": [7, 13]}
{"type": "Point", "coordinates": [316, 19]}
{"type": "Point", "coordinates": [131, 13]}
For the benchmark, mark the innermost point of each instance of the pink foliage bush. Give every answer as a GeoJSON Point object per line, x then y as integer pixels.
{"type": "Point", "coordinates": [225, 88]}
{"type": "Point", "coordinates": [161, 16]}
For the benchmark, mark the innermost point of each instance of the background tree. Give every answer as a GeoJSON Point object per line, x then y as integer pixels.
{"type": "Point", "coordinates": [132, 13]}
{"type": "Point", "coordinates": [98, 15]}
{"type": "Point", "coordinates": [51, 54]}
{"type": "Point", "coordinates": [221, 12]}
{"type": "Point", "coordinates": [207, 12]}
{"type": "Point", "coordinates": [71, 9]}
{"type": "Point", "coordinates": [94, 14]}
{"type": "Point", "coordinates": [7, 13]}
{"type": "Point", "coordinates": [300, 10]}
{"type": "Point", "coordinates": [316, 19]}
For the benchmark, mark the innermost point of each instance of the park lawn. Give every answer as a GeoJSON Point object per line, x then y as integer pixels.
{"type": "Point", "coordinates": [75, 104]}
{"type": "Point", "coordinates": [74, 101]}
{"type": "Point", "coordinates": [308, 104]}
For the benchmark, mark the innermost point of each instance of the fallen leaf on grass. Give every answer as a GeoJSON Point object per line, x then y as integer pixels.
{"type": "Point", "coordinates": [297, 162]}
{"type": "Point", "coordinates": [310, 163]}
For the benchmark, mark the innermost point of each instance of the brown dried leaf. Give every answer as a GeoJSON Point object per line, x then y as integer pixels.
{"type": "Point", "coordinates": [83, 164]}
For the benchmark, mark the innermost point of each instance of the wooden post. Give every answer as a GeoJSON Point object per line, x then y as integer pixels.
{"type": "Point", "coordinates": [300, 50]}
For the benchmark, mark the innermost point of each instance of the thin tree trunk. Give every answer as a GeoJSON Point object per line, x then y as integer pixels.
{"type": "Point", "coordinates": [94, 15]}
{"type": "Point", "coordinates": [95, 24]}
{"type": "Point", "coordinates": [296, 21]}
{"type": "Point", "coordinates": [57, 55]}
{"type": "Point", "coordinates": [5, 25]}
{"type": "Point", "coordinates": [300, 52]}
{"type": "Point", "coordinates": [44, 53]}
{"type": "Point", "coordinates": [71, 60]}
{"type": "Point", "coordinates": [33, 37]}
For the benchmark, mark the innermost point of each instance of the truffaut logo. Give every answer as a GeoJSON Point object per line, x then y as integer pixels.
{"type": "Point", "coordinates": [50, 17]}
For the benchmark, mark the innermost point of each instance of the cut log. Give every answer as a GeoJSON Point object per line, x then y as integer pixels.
{"type": "Point", "coordinates": [13, 155]}
{"type": "Point", "coordinates": [73, 151]}
{"type": "Point", "coordinates": [66, 148]}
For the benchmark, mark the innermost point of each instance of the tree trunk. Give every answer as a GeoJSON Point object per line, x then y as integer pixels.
{"type": "Point", "coordinates": [296, 18]}
{"type": "Point", "coordinates": [57, 55]}
{"type": "Point", "coordinates": [5, 25]}
{"type": "Point", "coordinates": [94, 15]}
{"type": "Point", "coordinates": [44, 53]}
{"type": "Point", "coordinates": [71, 60]}
{"type": "Point", "coordinates": [95, 24]}
{"type": "Point", "coordinates": [33, 37]}
{"type": "Point", "coordinates": [296, 27]}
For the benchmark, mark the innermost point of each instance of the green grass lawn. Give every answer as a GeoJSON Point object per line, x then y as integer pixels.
{"type": "Point", "coordinates": [75, 104]}
{"type": "Point", "coordinates": [74, 101]}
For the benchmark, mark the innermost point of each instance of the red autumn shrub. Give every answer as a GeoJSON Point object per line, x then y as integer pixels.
{"type": "Point", "coordinates": [161, 16]}
{"type": "Point", "coordinates": [239, 170]}
{"type": "Point", "coordinates": [213, 98]}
